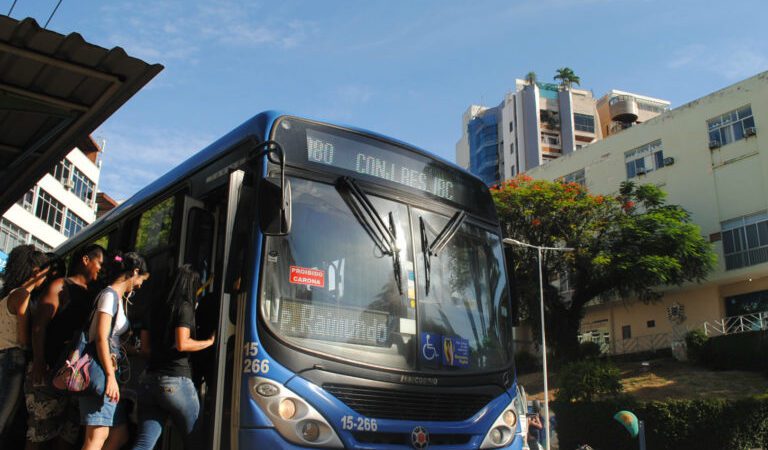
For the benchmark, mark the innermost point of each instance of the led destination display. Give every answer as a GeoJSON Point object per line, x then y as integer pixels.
{"type": "Point", "coordinates": [333, 323]}
{"type": "Point", "coordinates": [368, 159]}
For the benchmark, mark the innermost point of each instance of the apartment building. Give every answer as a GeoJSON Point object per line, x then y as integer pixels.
{"type": "Point", "coordinates": [540, 122]}
{"type": "Point", "coordinates": [711, 157]}
{"type": "Point", "coordinates": [61, 204]}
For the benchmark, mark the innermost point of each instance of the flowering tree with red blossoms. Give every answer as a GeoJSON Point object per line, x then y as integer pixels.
{"type": "Point", "coordinates": [626, 246]}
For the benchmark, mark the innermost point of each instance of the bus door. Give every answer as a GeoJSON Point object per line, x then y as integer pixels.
{"type": "Point", "coordinates": [206, 231]}
{"type": "Point", "coordinates": [224, 420]}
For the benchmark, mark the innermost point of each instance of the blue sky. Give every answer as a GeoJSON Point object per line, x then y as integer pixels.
{"type": "Point", "coordinates": [403, 68]}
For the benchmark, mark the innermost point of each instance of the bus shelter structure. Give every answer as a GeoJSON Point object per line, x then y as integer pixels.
{"type": "Point", "coordinates": [55, 90]}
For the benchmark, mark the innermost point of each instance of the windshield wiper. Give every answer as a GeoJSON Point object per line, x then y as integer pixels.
{"type": "Point", "coordinates": [442, 239]}
{"type": "Point", "coordinates": [384, 237]}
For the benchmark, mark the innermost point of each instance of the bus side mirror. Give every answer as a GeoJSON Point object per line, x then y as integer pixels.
{"type": "Point", "coordinates": [274, 206]}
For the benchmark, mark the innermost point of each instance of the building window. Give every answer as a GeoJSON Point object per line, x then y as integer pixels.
{"type": "Point", "coordinates": [511, 126]}
{"type": "Point", "coordinates": [576, 177]}
{"type": "Point", "coordinates": [584, 122]}
{"type": "Point", "coordinates": [82, 186]}
{"type": "Point", "coordinates": [11, 236]}
{"type": "Point", "coordinates": [751, 303]}
{"type": "Point", "coordinates": [512, 148]}
{"type": "Point", "coordinates": [626, 332]}
{"type": "Point", "coordinates": [549, 118]}
{"type": "Point", "coordinates": [49, 210]}
{"type": "Point", "coordinates": [730, 126]}
{"type": "Point", "coordinates": [73, 224]}
{"type": "Point", "coordinates": [652, 107]}
{"type": "Point", "coordinates": [550, 139]}
{"type": "Point", "coordinates": [642, 160]}
{"type": "Point", "coordinates": [62, 171]}
{"type": "Point", "coordinates": [40, 245]}
{"type": "Point", "coordinates": [27, 201]}
{"type": "Point", "coordinates": [745, 241]}
{"type": "Point", "coordinates": [651, 324]}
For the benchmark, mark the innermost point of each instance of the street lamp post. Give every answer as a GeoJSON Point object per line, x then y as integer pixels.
{"type": "Point", "coordinates": [539, 248]}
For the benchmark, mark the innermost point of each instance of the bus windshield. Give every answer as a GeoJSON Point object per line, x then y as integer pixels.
{"type": "Point", "coordinates": [329, 288]}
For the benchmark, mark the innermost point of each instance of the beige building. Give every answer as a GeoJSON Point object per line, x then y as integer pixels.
{"type": "Point", "coordinates": [711, 157]}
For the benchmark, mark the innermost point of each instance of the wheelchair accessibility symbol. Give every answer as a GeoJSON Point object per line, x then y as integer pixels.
{"type": "Point", "coordinates": [428, 350]}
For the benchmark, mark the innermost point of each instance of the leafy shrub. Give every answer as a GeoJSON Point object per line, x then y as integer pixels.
{"type": "Point", "coordinates": [715, 424]}
{"type": "Point", "coordinates": [525, 362]}
{"type": "Point", "coordinates": [694, 343]}
{"type": "Point", "coordinates": [589, 350]}
{"type": "Point", "coordinates": [588, 380]}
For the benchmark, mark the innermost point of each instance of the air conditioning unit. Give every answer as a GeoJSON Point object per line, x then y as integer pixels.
{"type": "Point", "coordinates": [68, 184]}
{"type": "Point", "coordinates": [641, 171]}
{"type": "Point", "coordinates": [714, 144]}
{"type": "Point", "coordinates": [750, 131]}
{"type": "Point", "coordinates": [668, 161]}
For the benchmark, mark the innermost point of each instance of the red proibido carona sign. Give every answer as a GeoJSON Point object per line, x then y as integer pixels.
{"type": "Point", "coordinates": [306, 276]}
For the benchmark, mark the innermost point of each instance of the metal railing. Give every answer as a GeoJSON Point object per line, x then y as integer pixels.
{"type": "Point", "coordinates": [648, 343]}
{"type": "Point", "coordinates": [736, 324]}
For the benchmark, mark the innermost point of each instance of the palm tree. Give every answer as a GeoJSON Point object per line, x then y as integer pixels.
{"type": "Point", "coordinates": [567, 77]}
{"type": "Point", "coordinates": [530, 78]}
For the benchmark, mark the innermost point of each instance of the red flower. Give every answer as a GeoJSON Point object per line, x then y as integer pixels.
{"type": "Point", "coordinates": [535, 222]}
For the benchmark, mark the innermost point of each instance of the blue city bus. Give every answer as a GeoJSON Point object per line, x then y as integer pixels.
{"type": "Point", "coordinates": [356, 285]}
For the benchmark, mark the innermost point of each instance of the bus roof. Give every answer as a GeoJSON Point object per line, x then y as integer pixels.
{"type": "Point", "coordinates": [257, 126]}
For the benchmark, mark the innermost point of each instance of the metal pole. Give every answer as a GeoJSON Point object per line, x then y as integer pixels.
{"type": "Point", "coordinates": [641, 434]}
{"type": "Point", "coordinates": [544, 354]}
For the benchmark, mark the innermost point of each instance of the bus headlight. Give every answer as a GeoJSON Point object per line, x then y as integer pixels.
{"type": "Point", "coordinates": [296, 420]}
{"type": "Point", "coordinates": [502, 431]}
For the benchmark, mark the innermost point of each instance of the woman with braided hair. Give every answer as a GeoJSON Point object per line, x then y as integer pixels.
{"type": "Point", "coordinates": [24, 273]}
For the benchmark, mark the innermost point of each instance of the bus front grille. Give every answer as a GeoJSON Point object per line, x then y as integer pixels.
{"type": "Point", "coordinates": [407, 405]}
{"type": "Point", "coordinates": [368, 437]}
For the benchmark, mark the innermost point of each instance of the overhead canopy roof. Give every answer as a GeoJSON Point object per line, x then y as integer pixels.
{"type": "Point", "coordinates": [54, 91]}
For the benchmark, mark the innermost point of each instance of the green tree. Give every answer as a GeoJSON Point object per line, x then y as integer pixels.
{"type": "Point", "coordinates": [626, 246]}
{"type": "Point", "coordinates": [567, 77]}
{"type": "Point", "coordinates": [530, 78]}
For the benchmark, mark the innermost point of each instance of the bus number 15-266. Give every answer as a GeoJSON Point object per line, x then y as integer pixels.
{"type": "Point", "coordinates": [358, 423]}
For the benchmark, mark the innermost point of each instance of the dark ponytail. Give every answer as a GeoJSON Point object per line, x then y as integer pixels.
{"type": "Point", "coordinates": [185, 287]}
{"type": "Point", "coordinates": [22, 262]}
{"type": "Point", "coordinates": [122, 265]}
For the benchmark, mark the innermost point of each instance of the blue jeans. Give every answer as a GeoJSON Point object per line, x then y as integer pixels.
{"type": "Point", "coordinates": [161, 397]}
{"type": "Point", "coordinates": [13, 364]}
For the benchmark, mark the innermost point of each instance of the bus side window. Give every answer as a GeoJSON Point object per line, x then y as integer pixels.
{"type": "Point", "coordinates": [155, 238]}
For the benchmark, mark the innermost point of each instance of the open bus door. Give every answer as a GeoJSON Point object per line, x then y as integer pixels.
{"type": "Point", "coordinates": [207, 231]}
{"type": "Point", "coordinates": [225, 392]}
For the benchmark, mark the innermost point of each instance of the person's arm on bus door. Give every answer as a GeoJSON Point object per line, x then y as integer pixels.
{"type": "Point", "coordinates": [183, 324]}
{"type": "Point", "coordinates": [185, 343]}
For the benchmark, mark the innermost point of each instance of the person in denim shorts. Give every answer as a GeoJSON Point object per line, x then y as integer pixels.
{"type": "Point", "coordinates": [106, 417]}
{"type": "Point", "coordinates": [24, 273]}
{"type": "Point", "coordinates": [166, 386]}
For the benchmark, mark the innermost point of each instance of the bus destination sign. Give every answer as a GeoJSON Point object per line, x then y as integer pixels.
{"type": "Point", "coordinates": [327, 322]}
{"type": "Point", "coordinates": [368, 159]}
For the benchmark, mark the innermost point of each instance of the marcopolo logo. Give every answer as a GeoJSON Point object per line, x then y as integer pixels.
{"type": "Point", "coordinates": [420, 438]}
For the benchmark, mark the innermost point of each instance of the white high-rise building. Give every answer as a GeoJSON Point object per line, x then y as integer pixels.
{"type": "Point", "coordinates": [539, 122]}
{"type": "Point", "coordinates": [57, 207]}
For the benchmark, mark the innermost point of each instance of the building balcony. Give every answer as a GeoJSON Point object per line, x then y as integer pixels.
{"type": "Point", "coordinates": [623, 108]}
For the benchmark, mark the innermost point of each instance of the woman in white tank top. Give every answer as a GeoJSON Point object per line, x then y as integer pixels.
{"type": "Point", "coordinates": [106, 418]}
